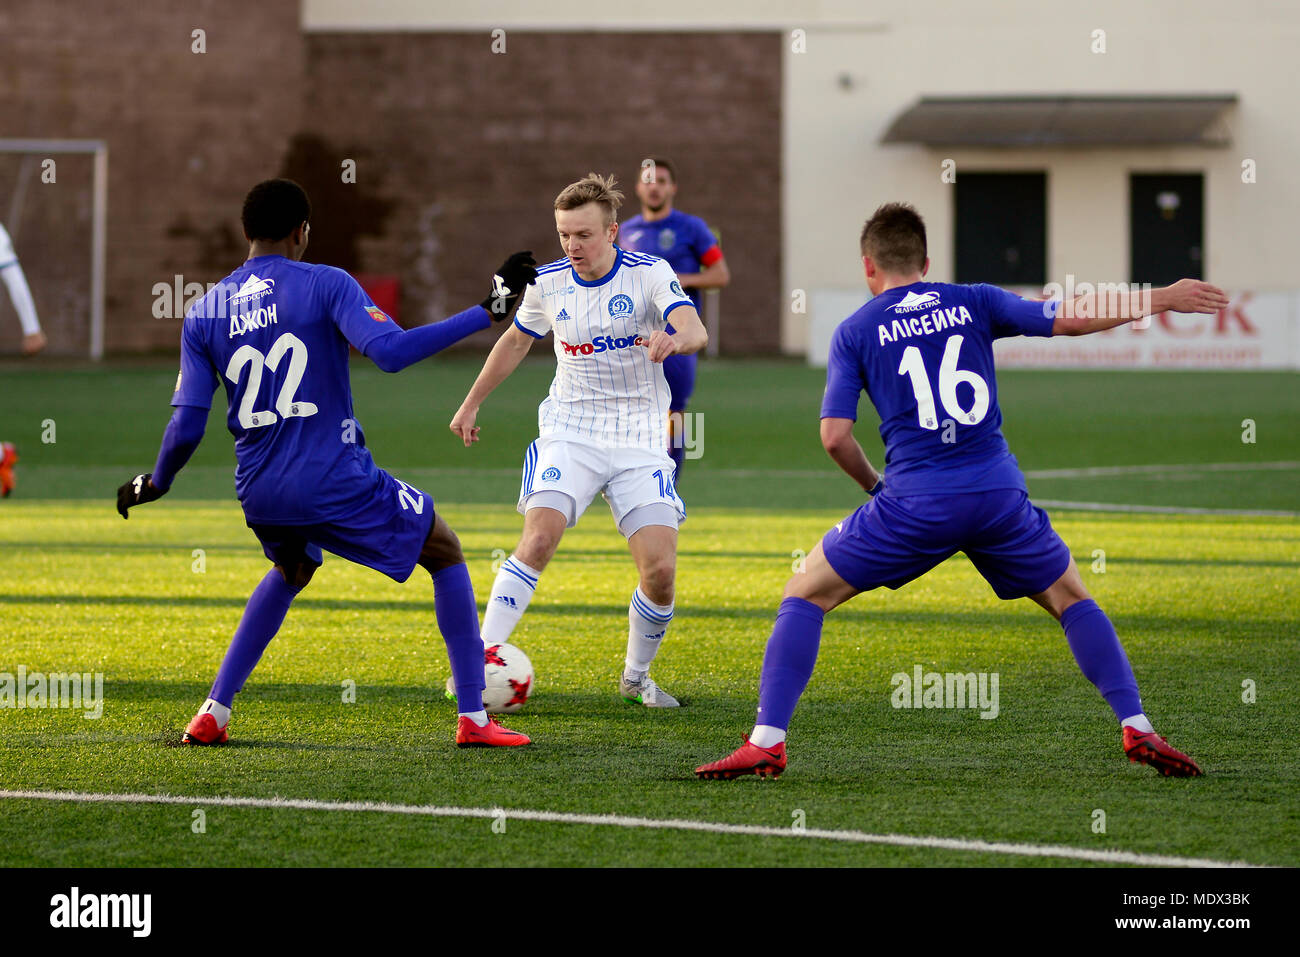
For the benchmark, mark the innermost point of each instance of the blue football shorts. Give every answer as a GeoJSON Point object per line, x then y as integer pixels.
{"type": "Point", "coordinates": [386, 534]}
{"type": "Point", "coordinates": [893, 539]}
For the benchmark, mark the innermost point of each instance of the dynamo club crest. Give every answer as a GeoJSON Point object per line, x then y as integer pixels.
{"type": "Point", "coordinates": [620, 305]}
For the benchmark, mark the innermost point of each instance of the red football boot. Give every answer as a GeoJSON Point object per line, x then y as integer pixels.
{"type": "Point", "coordinates": [491, 735]}
{"type": "Point", "coordinates": [8, 457]}
{"type": "Point", "coordinates": [203, 730]}
{"type": "Point", "coordinates": [1149, 748]}
{"type": "Point", "coordinates": [747, 759]}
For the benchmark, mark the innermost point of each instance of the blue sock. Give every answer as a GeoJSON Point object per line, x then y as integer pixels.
{"type": "Point", "coordinates": [1101, 658]}
{"type": "Point", "coordinates": [263, 616]}
{"type": "Point", "coordinates": [789, 660]}
{"type": "Point", "coordinates": [453, 603]}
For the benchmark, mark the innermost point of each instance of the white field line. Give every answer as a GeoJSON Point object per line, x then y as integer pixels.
{"type": "Point", "coordinates": [611, 820]}
{"type": "Point", "coordinates": [1105, 470]}
{"type": "Point", "coordinates": [1102, 471]}
{"type": "Point", "coordinates": [1164, 509]}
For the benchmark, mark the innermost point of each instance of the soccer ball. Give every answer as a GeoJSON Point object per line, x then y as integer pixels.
{"type": "Point", "coordinates": [509, 679]}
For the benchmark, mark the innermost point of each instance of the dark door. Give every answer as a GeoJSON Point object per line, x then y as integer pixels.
{"type": "Point", "coordinates": [1166, 217]}
{"type": "Point", "coordinates": [1001, 228]}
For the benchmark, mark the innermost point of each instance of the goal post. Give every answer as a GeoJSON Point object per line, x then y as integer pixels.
{"type": "Point", "coordinates": [45, 207]}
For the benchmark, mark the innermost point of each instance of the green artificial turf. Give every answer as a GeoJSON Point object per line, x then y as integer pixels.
{"type": "Point", "coordinates": [1206, 605]}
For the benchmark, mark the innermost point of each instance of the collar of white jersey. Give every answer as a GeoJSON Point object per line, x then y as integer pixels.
{"type": "Point", "coordinates": [618, 261]}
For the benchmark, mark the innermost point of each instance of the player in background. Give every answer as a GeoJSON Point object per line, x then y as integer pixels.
{"type": "Point", "coordinates": [601, 428]}
{"type": "Point", "coordinates": [923, 352]}
{"type": "Point", "coordinates": [33, 340]}
{"type": "Point", "coordinates": [275, 332]}
{"type": "Point", "coordinates": [21, 294]}
{"type": "Point", "coordinates": [687, 245]}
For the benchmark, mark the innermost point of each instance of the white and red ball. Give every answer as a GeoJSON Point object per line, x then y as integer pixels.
{"type": "Point", "coordinates": [509, 676]}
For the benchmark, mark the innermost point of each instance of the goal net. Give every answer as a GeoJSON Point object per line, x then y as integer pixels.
{"type": "Point", "coordinates": [53, 201]}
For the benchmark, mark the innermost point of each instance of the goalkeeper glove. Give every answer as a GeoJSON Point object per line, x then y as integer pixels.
{"type": "Point", "coordinates": [508, 284]}
{"type": "Point", "coordinates": [136, 492]}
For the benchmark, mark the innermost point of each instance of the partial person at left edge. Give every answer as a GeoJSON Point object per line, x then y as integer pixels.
{"type": "Point", "coordinates": [33, 340]}
{"type": "Point", "coordinates": [276, 332]}
{"type": "Point", "coordinates": [21, 294]}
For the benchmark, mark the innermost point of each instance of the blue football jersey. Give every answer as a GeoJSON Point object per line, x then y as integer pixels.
{"type": "Point", "coordinates": [924, 355]}
{"type": "Point", "coordinates": [275, 332]}
{"type": "Point", "coordinates": [684, 241]}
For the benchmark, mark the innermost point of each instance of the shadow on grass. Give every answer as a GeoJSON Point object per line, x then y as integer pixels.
{"type": "Point", "coordinates": [862, 611]}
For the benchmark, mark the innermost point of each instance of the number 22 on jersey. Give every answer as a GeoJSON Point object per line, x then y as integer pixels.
{"type": "Point", "coordinates": [285, 404]}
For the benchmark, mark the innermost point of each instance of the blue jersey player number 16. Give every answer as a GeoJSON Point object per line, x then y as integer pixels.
{"type": "Point", "coordinates": [923, 353]}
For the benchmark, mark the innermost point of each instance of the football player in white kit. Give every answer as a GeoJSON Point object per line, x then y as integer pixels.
{"type": "Point", "coordinates": [601, 427]}
{"type": "Point", "coordinates": [12, 274]}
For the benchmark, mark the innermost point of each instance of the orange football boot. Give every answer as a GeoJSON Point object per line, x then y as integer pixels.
{"type": "Point", "coordinates": [203, 730]}
{"type": "Point", "coordinates": [8, 457]}
{"type": "Point", "coordinates": [747, 759]}
{"type": "Point", "coordinates": [1150, 748]}
{"type": "Point", "coordinates": [491, 735]}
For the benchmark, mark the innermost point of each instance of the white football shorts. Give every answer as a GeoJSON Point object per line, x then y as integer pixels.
{"type": "Point", "coordinates": [578, 468]}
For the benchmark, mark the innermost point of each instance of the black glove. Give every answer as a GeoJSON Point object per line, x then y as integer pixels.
{"type": "Point", "coordinates": [508, 284]}
{"type": "Point", "coordinates": [136, 492]}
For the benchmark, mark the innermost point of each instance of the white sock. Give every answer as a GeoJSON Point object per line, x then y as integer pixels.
{"type": "Point", "coordinates": [511, 592]}
{"type": "Point", "coordinates": [22, 297]}
{"type": "Point", "coordinates": [647, 625]}
{"type": "Point", "coordinates": [478, 717]}
{"type": "Point", "coordinates": [218, 711]}
{"type": "Point", "coordinates": [766, 736]}
{"type": "Point", "coordinates": [1138, 722]}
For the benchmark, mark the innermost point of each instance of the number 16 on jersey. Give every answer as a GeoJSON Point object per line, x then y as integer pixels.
{"type": "Point", "coordinates": [950, 377]}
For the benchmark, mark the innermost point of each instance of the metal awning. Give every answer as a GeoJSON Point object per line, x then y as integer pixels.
{"type": "Point", "coordinates": [1064, 121]}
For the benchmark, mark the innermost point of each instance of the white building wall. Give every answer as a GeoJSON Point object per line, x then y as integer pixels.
{"type": "Point", "coordinates": [856, 66]}
{"type": "Point", "coordinates": [843, 93]}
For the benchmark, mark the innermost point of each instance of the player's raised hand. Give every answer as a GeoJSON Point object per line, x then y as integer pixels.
{"type": "Point", "coordinates": [661, 345]}
{"type": "Point", "coordinates": [1193, 295]}
{"type": "Point", "coordinates": [508, 284]}
{"type": "Point", "coordinates": [136, 492]}
{"type": "Point", "coordinates": [462, 423]}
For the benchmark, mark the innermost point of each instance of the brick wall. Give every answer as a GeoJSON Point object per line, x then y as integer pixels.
{"type": "Point", "coordinates": [469, 148]}
{"type": "Point", "coordinates": [187, 132]}
{"type": "Point", "coordinates": [459, 151]}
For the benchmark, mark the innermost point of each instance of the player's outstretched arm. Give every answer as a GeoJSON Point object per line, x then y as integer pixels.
{"type": "Point", "coordinates": [399, 349]}
{"type": "Point", "coordinates": [501, 361]}
{"type": "Point", "coordinates": [847, 453]}
{"type": "Point", "coordinates": [689, 337]}
{"type": "Point", "coordinates": [1095, 312]}
{"type": "Point", "coordinates": [183, 435]}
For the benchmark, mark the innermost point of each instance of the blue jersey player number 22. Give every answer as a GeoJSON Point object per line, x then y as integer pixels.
{"type": "Point", "coordinates": [275, 333]}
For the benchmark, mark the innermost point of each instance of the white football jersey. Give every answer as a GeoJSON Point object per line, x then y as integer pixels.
{"type": "Point", "coordinates": [6, 248]}
{"type": "Point", "coordinates": [605, 385]}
